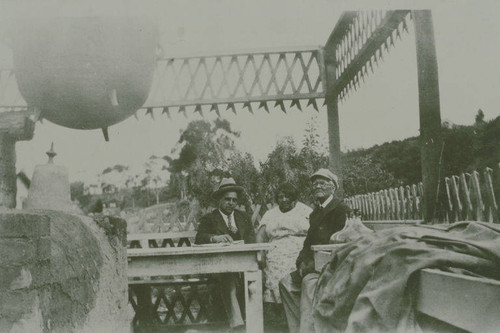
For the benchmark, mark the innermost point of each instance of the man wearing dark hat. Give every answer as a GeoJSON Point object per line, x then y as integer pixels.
{"type": "Point", "coordinates": [225, 225]}
{"type": "Point", "coordinates": [328, 217]}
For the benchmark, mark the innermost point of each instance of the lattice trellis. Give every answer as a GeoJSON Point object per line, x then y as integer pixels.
{"type": "Point", "coordinates": [172, 303]}
{"type": "Point", "coordinates": [239, 78]}
{"type": "Point", "coordinates": [360, 40]}
{"type": "Point", "coordinates": [245, 79]}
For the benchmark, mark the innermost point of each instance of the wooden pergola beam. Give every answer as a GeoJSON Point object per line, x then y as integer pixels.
{"type": "Point", "coordinates": [334, 84]}
{"type": "Point", "coordinates": [374, 43]}
{"type": "Point", "coordinates": [431, 140]}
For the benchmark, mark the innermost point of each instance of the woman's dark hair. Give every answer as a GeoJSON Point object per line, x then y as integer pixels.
{"type": "Point", "coordinates": [288, 190]}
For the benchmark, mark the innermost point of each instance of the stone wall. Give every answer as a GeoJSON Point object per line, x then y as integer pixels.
{"type": "Point", "coordinates": [62, 273]}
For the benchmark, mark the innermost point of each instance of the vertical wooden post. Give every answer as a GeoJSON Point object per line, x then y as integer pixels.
{"type": "Point", "coordinates": [253, 302]}
{"type": "Point", "coordinates": [14, 126]}
{"type": "Point", "coordinates": [8, 186]}
{"type": "Point", "coordinates": [145, 311]}
{"type": "Point", "coordinates": [430, 116]}
{"type": "Point", "coordinates": [335, 163]}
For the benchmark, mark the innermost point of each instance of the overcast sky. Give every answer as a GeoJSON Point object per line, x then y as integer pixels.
{"type": "Point", "coordinates": [385, 108]}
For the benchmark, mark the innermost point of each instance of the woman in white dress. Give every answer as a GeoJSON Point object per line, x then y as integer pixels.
{"type": "Point", "coordinates": [284, 226]}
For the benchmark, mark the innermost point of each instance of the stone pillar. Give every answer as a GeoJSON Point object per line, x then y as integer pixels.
{"type": "Point", "coordinates": [62, 273]}
{"type": "Point", "coordinates": [24, 267]}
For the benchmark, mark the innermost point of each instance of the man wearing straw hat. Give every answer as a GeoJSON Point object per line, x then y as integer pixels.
{"type": "Point", "coordinates": [328, 217]}
{"type": "Point", "coordinates": [226, 225]}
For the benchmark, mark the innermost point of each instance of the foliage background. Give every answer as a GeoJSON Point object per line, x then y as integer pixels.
{"type": "Point", "coordinates": [206, 152]}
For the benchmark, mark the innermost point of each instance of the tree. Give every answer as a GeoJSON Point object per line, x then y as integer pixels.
{"type": "Point", "coordinates": [361, 175]}
{"type": "Point", "coordinates": [243, 170]}
{"type": "Point", "coordinates": [113, 178]}
{"type": "Point", "coordinates": [479, 117]}
{"type": "Point", "coordinates": [287, 164]}
{"type": "Point", "coordinates": [489, 145]}
{"type": "Point", "coordinates": [156, 175]}
{"type": "Point", "coordinates": [77, 190]}
{"type": "Point", "coordinates": [203, 148]}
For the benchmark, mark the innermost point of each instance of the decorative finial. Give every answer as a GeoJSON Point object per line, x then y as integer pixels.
{"type": "Point", "coordinates": [51, 154]}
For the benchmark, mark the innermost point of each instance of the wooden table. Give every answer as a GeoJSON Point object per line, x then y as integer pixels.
{"type": "Point", "coordinates": [209, 259]}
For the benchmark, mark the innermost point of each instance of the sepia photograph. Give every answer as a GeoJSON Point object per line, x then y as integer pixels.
{"type": "Point", "coordinates": [264, 166]}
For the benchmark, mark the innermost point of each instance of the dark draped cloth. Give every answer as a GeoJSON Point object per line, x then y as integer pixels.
{"type": "Point", "coordinates": [369, 284]}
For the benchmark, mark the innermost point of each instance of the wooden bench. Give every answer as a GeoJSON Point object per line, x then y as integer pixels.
{"type": "Point", "coordinates": [450, 300]}
{"type": "Point", "coordinates": [469, 303]}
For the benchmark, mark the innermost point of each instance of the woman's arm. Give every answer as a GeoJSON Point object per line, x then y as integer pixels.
{"type": "Point", "coordinates": [261, 235]}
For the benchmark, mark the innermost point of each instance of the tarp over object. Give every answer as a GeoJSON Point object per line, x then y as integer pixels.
{"type": "Point", "coordinates": [369, 284]}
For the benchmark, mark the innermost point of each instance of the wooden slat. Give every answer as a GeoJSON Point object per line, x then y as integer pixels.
{"type": "Point", "coordinates": [392, 204]}
{"type": "Point", "coordinates": [415, 207]}
{"type": "Point", "coordinates": [420, 190]}
{"type": "Point", "coordinates": [409, 203]}
{"type": "Point", "coordinates": [470, 303]}
{"type": "Point", "coordinates": [376, 198]}
{"type": "Point", "coordinates": [365, 208]}
{"type": "Point", "coordinates": [402, 203]}
{"type": "Point", "coordinates": [490, 196]}
{"type": "Point", "coordinates": [459, 208]}
{"type": "Point", "coordinates": [477, 197]}
{"type": "Point", "coordinates": [388, 206]}
{"type": "Point", "coordinates": [370, 205]}
{"type": "Point", "coordinates": [397, 204]}
{"type": "Point", "coordinates": [380, 225]}
{"type": "Point", "coordinates": [382, 205]}
{"type": "Point", "coordinates": [216, 248]}
{"type": "Point", "coordinates": [465, 195]}
{"type": "Point", "coordinates": [449, 206]}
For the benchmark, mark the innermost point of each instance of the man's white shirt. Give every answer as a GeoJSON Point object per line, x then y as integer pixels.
{"type": "Point", "coordinates": [326, 202]}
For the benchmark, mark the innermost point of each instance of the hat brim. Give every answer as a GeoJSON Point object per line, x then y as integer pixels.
{"type": "Point", "coordinates": [231, 188]}
{"type": "Point", "coordinates": [324, 177]}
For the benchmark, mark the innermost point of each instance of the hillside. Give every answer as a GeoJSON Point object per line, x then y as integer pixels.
{"type": "Point", "coordinates": [465, 148]}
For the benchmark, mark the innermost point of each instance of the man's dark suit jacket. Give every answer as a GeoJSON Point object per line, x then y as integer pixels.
{"type": "Point", "coordinates": [323, 223]}
{"type": "Point", "coordinates": [212, 224]}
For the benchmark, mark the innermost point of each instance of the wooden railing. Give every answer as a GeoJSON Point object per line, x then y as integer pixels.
{"type": "Point", "coordinates": [469, 196]}
{"type": "Point", "coordinates": [154, 240]}
{"type": "Point", "coordinates": [403, 203]}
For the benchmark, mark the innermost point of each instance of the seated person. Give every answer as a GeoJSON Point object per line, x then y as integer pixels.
{"type": "Point", "coordinates": [285, 226]}
{"type": "Point", "coordinates": [328, 217]}
{"type": "Point", "coordinates": [225, 225]}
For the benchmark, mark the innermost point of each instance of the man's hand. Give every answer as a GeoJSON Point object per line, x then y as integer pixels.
{"type": "Point", "coordinates": [221, 239]}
